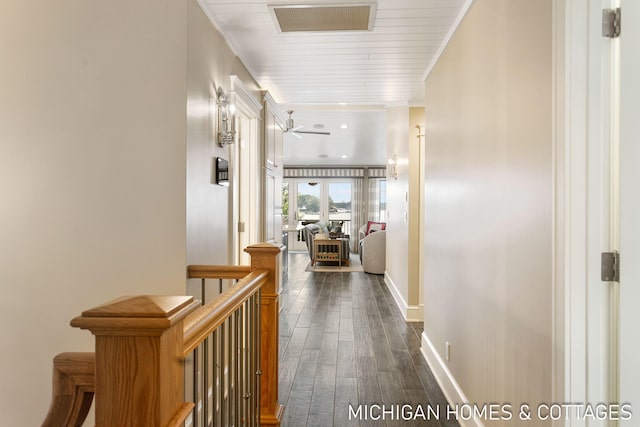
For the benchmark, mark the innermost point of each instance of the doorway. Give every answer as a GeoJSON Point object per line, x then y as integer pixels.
{"type": "Point", "coordinates": [314, 200]}
{"type": "Point", "coordinates": [600, 171]}
{"type": "Point", "coordinates": [245, 173]}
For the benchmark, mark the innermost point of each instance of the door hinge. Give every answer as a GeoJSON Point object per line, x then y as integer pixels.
{"type": "Point", "coordinates": [611, 23]}
{"type": "Point", "coordinates": [241, 227]}
{"type": "Point", "coordinates": [610, 267]}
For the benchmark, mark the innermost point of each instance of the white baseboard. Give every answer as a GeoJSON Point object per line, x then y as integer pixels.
{"type": "Point", "coordinates": [411, 313]}
{"type": "Point", "coordinates": [448, 384]}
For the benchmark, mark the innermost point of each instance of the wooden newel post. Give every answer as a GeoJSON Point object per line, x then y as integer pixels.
{"type": "Point", "coordinates": [267, 256]}
{"type": "Point", "coordinates": [139, 374]}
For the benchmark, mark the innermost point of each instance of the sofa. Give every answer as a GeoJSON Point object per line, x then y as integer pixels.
{"type": "Point", "coordinates": [373, 250]}
{"type": "Point", "coordinates": [308, 232]}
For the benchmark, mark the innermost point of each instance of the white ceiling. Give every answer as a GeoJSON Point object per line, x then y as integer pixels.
{"type": "Point", "coordinates": [363, 142]}
{"type": "Point", "coordinates": [316, 74]}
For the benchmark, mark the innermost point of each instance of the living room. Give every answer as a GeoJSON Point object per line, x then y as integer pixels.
{"type": "Point", "coordinates": [367, 170]}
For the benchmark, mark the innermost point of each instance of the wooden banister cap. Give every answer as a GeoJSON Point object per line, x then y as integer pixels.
{"type": "Point", "coordinates": [142, 312]}
{"type": "Point", "coordinates": [140, 306]}
{"type": "Point", "coordinates": [263, 248]}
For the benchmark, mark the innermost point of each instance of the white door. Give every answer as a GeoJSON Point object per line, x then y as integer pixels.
{"type": "Point", "coordinates": [630, 208]}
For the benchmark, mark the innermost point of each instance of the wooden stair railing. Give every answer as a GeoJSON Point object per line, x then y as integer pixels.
{"type": "Point", "coordinates": [221, 343]}
{"type": "Point", "coordinates": [142, 343]}
{"type": "Point", "coordinates": [73, 388]}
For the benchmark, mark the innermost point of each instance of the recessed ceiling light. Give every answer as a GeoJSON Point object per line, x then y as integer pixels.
{"type": "Point", "coordinates": [344, 156]}
{"type": "Point", "coordinates": [343, 126]}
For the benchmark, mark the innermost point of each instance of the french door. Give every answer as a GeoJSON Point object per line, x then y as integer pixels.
{"type": "Point", "coordinates": [326, 200]}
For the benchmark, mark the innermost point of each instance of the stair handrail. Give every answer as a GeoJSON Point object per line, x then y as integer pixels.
{"type": "Point", "coordinates": [202, 322]}
{"type": "Point", "coordinates": [138, 337]}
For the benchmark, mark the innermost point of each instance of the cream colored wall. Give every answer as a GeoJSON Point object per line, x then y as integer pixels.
{"type": "Point", "coordinates": [488, 203]}
{"type": "Point", "coordinates": [403, 208]}
{"type": "Point", "coordinates": [397, 237]}
{"type": "Point", "coordinates": [416, 117]}
{"type": "Point", "coordinates": [92, 167]}
{"type": "Point", "coordinates": [97, 107]}
{"type": "Point", "coordinates": [210, 65]}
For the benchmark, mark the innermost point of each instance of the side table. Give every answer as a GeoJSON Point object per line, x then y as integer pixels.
{"type": "Point", "coordinates": [327, 250]}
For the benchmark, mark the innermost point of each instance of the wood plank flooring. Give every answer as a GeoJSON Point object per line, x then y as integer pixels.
{"type": "Point", "coordinates": [344, 342]}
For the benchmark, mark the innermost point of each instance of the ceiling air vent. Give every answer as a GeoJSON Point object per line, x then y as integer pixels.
{"type": "Point", "coordinates": [324, 17]}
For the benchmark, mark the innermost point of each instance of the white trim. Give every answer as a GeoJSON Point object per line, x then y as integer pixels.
{"type": "Point", "coordinates": [244, 99]}
{"type": "Point", "coordinates": [411, 313]}
{"type": "Point", "coordinates": [280, 116]}
{"type": "Point", "coordinates": [218, 27]}
{"type": "Point", "coordinates": [559, 331]}
{"type": "Point", "coordinates": [244, 159]}
{"type": "Point", "coordinates": [448, 384]}
{"type": "Point", "coordinates": [447, 39]}
{"type": "Point", "coordinates": [573, 170]}
{"type": "Point", "coordinates": [581, 370]}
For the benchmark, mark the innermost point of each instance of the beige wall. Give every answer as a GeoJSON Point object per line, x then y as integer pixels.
{"type": "Point", "coordinates": [488, 203]}
{"type": "Point", "coordinates": [93, 168]}
{"type": "Point", "coordinates": [414, 300]}
{"type": "Point", "coordinates": [403, 208]}
{"type": "Point", "coordinates": [397, 248]}
{"type": "Point", "coordinates": [210, 65]}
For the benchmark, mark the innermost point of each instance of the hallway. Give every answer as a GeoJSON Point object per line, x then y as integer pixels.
{"type": "Point", "coordinates": [343, 341]}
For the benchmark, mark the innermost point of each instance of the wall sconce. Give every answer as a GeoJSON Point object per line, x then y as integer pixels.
{"type": "Point", "coordinates": [226, 119]}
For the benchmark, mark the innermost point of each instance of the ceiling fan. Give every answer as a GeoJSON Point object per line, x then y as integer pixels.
{"type": "Point", "coordinates": [295, 130]}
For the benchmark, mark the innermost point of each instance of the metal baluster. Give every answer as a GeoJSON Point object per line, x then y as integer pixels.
{"type": "Point", "coordinates": [243, 372]}
{"type": "Point", "coordinates": [195, 387]}
{"type": "Point", "coordinates": [203, 301]}
{"type": "Point", "coordinates": [237, 352]}
{"type": "Point", "coordinates": [229, 366]}
{"type": "Point", "coordinates": [223, 412]}
{"type": "Point", "coordinates": [232, 373]}
{"type": "Point", "coordinates": [215, 393]}
{"type": "Point", "coordinates": [253, 368]}
{"type": "Point", "coordinates": [234, 368]}
{"type": "Point", "coordinates": [258, 355]}
{"type": "Point", "coordinates": [246, 394]}
{"type": "Point", "coordinates": [248, 362]}
{"type": "Point", "coordinates": [205, 382]}
{"type": "Point", "coordinates": [230, 358]}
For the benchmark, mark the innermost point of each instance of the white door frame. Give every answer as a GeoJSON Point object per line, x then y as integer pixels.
{"type": "Point", "coordinates": [584, 146]}
{"type": "Point", "coordinates": [629, 208]}
{"type": "Point", "coordinates": [245, 171]}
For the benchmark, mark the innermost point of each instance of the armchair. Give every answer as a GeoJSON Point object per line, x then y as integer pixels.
{"type": "Point", "coordinates": [373, 252]}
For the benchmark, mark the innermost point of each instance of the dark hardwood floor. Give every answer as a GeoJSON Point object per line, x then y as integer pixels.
{"type": "Point", "coordinates": [344, 342]}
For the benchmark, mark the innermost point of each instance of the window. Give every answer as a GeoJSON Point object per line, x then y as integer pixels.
{"type": "Point", "coordinates": [325, 200]}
